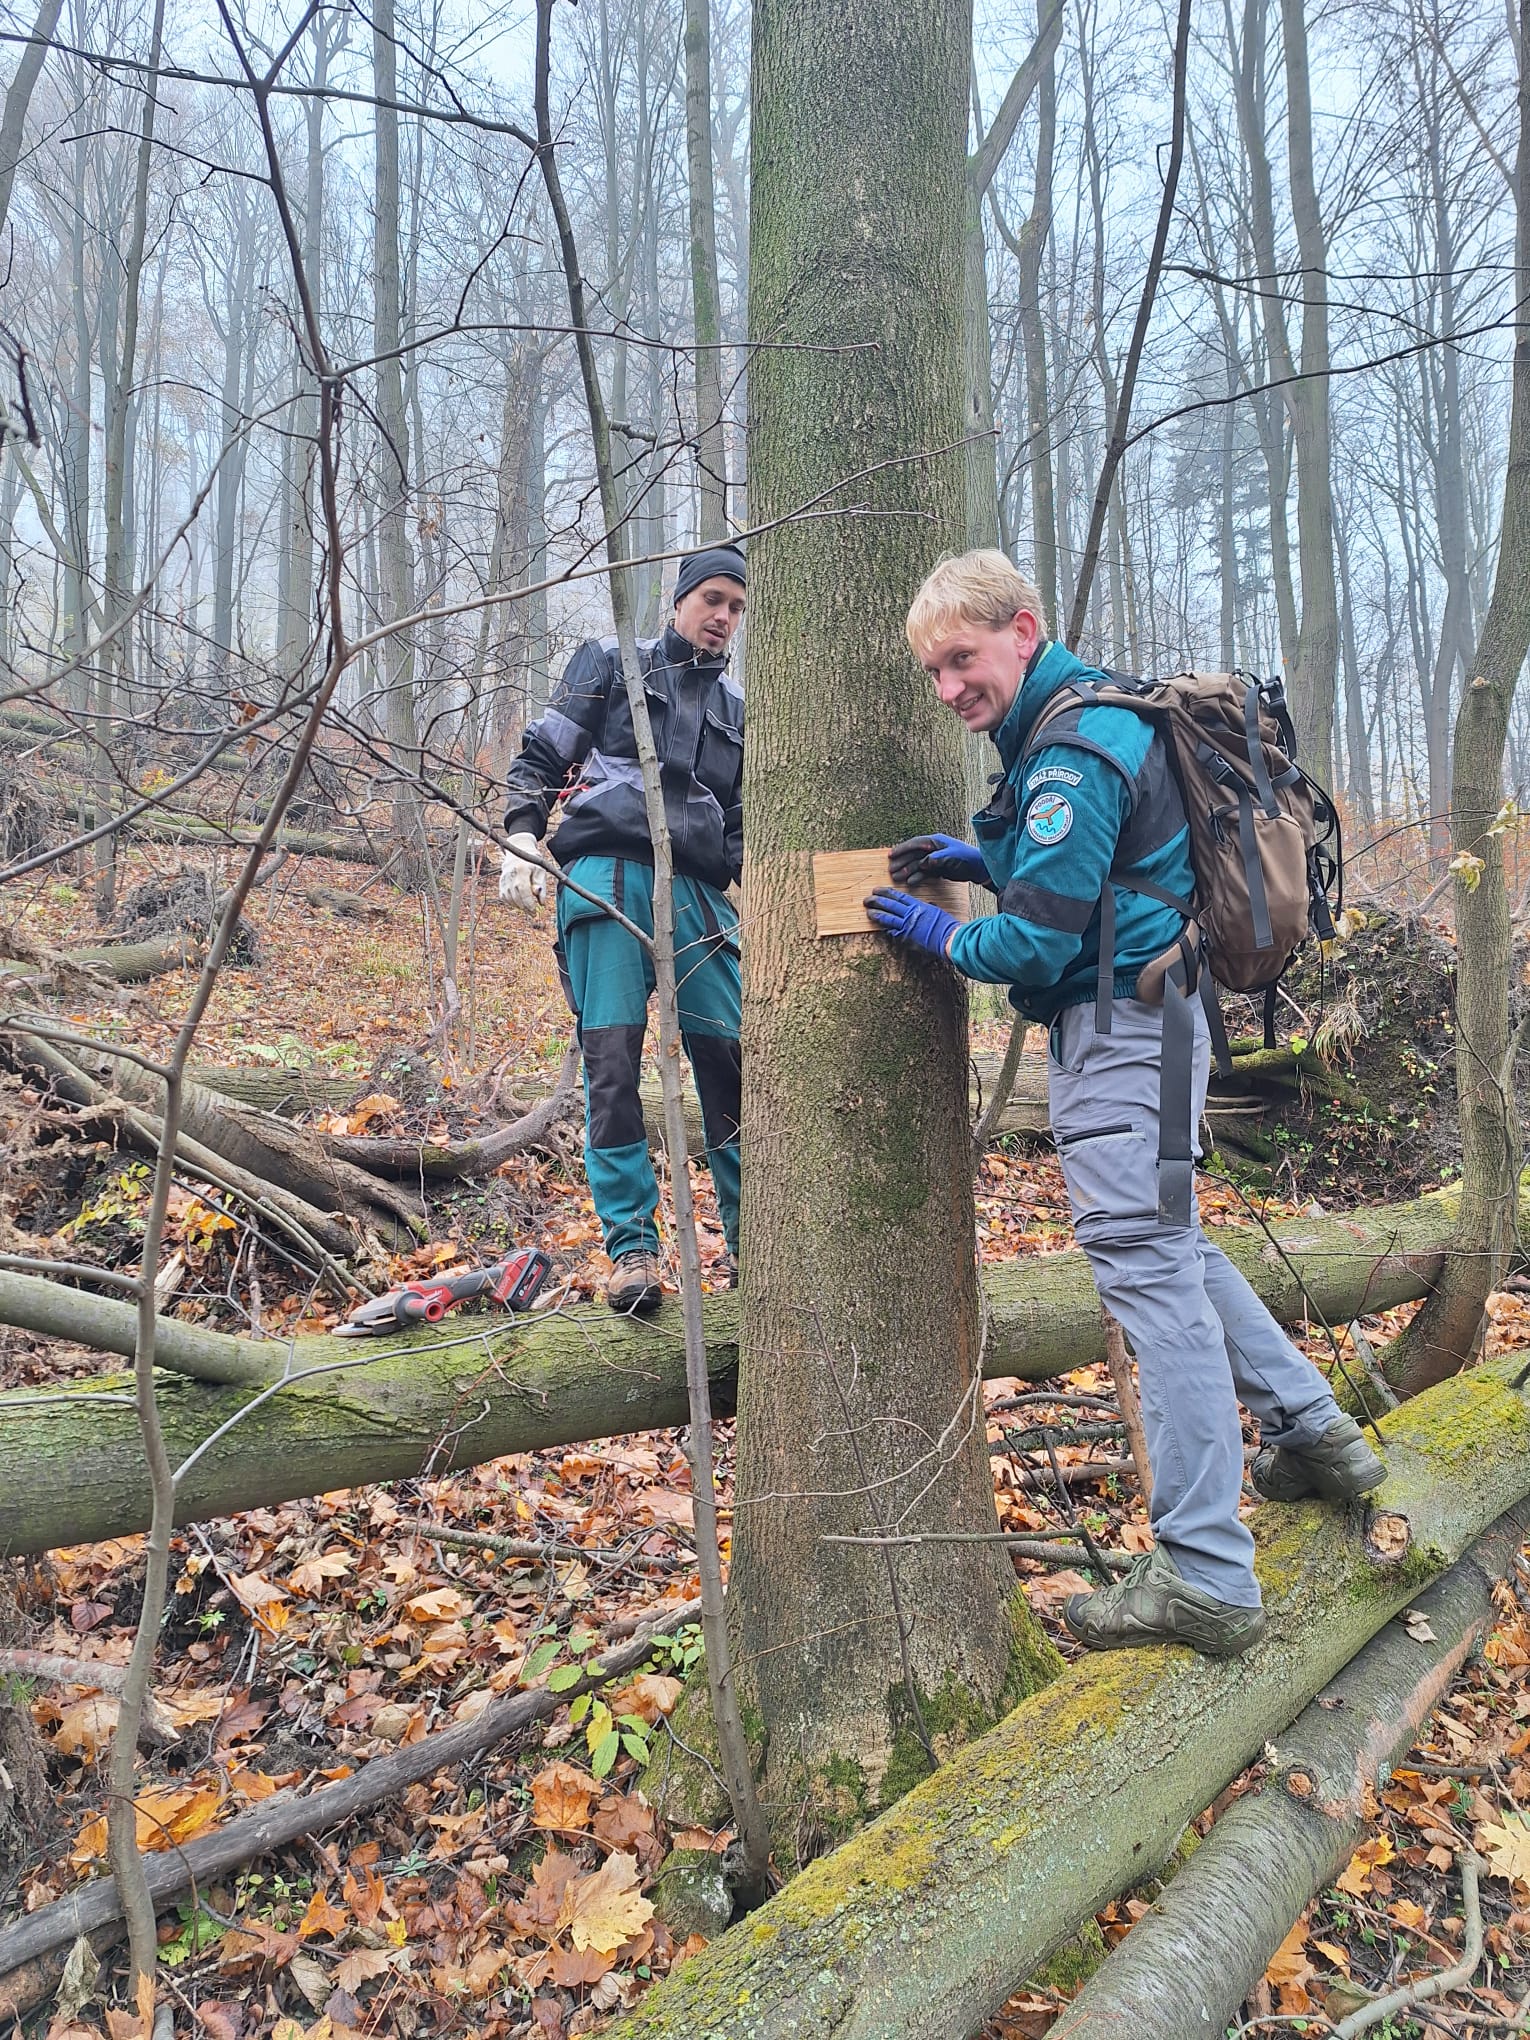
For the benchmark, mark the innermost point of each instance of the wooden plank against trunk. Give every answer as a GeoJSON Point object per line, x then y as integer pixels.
{"type": "Point", "coordinates": [842, 879]}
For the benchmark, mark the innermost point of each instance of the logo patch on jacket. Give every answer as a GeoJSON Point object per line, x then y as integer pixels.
{"type": "Point", "coordinates": [1064, 774]}
{"type": "Point", "coordinates": [1049, 820]}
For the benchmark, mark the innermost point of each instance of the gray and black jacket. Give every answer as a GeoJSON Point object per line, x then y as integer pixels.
{"type": "Point", "coordinates": [584, 743]}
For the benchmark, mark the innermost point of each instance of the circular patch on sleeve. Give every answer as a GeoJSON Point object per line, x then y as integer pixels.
{"type": "Point", "coordinates": [1049, 819]}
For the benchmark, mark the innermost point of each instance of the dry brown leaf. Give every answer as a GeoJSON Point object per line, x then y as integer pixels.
{"type": "Point", "coordinates": [561, 1796]}
{"type": "Point", "coordinates": [361, 1966]}
{"type": "Point", "coordinates": [1290, 1971]}
{"type": "Point", "coordinates": [1506, 1846]}
{"type": "Point", "coordinates": [1356, 1877]}
{"type": "Point", "coordinates": [574, 1968]}
{"type": "Point", "coordinates": [85, 1726]}
{"type": "Point", "coordinates": [603, 1910]}
{"type": "Point", "coordinates": [1407, 1914]}
{"type": "Point", "coordinates": [649, 1696]}
{"type": "Point", "coordinates": [441, 1604]}
{"type": "Point", "coordinates": [167, 1814]}
{"type": "Point", "coordinates": [322, 1918]}
{"type": "Point", "coordinates": [626, 1821]}
{"type": "Point", "coordinates": [310, 1575]}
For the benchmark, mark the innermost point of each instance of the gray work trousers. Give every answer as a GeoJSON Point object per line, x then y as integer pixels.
{"type": "Point", "coordinates": [1202, 1338]}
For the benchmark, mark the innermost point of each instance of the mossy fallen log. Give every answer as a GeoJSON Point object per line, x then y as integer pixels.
{"type": "Point", "coordinates": [926, 1920]}
{"type": "Point", "coordinates": [1187, 1965]}
{"type": "Point", "coordinates": [71, 1464]}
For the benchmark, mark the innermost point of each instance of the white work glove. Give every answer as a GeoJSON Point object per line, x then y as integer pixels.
{"type": "Point", "coordinates": [521, 882]}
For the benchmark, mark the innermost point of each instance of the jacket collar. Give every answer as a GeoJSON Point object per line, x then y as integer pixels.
{"type": "Point", "coordinates": [676, 650]}
{"type": "Point", "coordinates": [1051, 666]}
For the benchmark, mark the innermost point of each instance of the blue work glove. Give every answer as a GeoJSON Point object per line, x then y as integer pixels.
{"type": "Point", "coordinates": [937, 857]}
{"type": "Point", "coordinates": [921, 922]}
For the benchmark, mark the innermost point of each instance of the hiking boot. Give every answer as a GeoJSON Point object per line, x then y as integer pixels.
{"type": "Point", "coordinates": [1153, 1604]}
{"type": "Point", "coordinates": [1339, 1467]}
{"type": "Point", "coordinates": [635, 1283]}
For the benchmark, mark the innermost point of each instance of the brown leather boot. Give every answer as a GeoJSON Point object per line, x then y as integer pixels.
{"type": "Point", "coordinates": [635, 1284]}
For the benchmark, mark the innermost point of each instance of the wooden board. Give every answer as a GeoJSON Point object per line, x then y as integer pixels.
{"type": "Point", "coordinates": [842, 879]}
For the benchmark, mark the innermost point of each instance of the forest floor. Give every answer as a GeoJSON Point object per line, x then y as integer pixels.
{"type": "Point", "coordinates": [511, 1896]}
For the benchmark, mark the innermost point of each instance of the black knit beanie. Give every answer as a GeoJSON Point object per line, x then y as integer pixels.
{"type": "Point", "coordinates": [700, 566]}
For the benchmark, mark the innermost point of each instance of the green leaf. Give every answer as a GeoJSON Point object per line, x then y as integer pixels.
{"type": "Point", "coordinates": [565, 1676]}
{"type": "Point", "coordinates": [540, 1659]}
{"type": "Point", "coordinates": [580, 1709]}
{"type": "Point", "coordinates": [605, 1754]}
{"type": "Point", "coordinates": [635, 1746]}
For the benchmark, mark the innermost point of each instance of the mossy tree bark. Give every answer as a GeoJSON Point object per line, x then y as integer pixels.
{"type": "Point", "coordinates": [860, 1341]}
{"type": "Point", "coordinates": [1445, 1333]}
{"type": "Point", "coordinates": [71, 1470]}
{"type": "Point", "coordinates": [925, 1922]}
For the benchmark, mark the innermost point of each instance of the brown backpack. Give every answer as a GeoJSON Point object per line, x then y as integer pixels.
{"type": "Point", "coordinates": [1260, 831]}
{"type": "Point", "coordinates": [1265, 850]}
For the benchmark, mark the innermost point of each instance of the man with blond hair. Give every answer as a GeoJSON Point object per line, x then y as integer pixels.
{"type": "Point", "coordinates": [1086, 844]}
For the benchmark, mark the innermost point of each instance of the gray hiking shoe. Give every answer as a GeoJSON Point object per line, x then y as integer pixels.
{"type": "Point", "coordinates": [1153, 1604]}
{"type": "Point", "coordinates": [635, 1283]}
{"type": "Point", "coordinates": [1339, 1467]}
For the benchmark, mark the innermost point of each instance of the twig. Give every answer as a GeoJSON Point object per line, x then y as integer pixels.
{"type": "Point", "coordinates": [733, 1745]}
{"type": "Point", "coordinates": [1424, 1988]}
{"type": "Point", "coordinates": [1004, 1084]}
{"type": "Point", "coordinates": [1131, 1403]}
{"type": "Point", "coordinates": [56, 1669]}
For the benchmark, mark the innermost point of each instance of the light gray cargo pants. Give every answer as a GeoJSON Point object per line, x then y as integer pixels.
{"type": "Point", "coordinates": [1202, 1338]}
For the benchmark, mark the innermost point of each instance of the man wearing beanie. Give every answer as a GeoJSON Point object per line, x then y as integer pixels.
{"type": "Point", "coordinates": [583, 749]}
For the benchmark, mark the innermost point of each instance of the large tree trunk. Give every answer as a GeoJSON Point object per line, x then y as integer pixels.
{"type": "Point", "coordinates": [1187, 1966]}
{"type": "Point", "coordinates": [861, 1343]}
{"type": "Point", "coordinates": [926, 1920]}
{"type": "Point", "coordinates": [71, 1470]}
{"type": "Point", "coordinates": [1446, 1331]}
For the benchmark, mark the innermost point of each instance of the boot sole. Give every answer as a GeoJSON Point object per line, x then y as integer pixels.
{"type": "Point", "coordinates": [1316, 1490]}
{"type": "Point", "coordinates": [1218, 1647]}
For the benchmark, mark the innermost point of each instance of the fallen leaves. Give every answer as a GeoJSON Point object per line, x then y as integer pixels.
{"type": "Point", "coordinates": [607, 1908]}
{"type": "Point", "coordinates": [1505, 1847]}
{"type": "Point", "coordinates": [561, 1797]}
{"type": "Point", "coordinates": [1361, 1873]}
{"type": "Point", "coordinates": [166, 1814]}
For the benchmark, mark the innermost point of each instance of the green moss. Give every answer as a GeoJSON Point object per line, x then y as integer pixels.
{"type": "Point", "coordinates": [1070, 1967]}
{"type": "Point", "coordinates": [952, 1714]}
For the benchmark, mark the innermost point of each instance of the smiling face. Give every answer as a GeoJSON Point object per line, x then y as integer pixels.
{"type": "Point", "coordinates": [709, 615]}
{"type": "Point", "coordinates": [977, 670]}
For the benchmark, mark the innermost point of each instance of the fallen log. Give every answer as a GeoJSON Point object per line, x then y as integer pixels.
{"type": "Point", "coordinates": [452, 1161]}
{"type": "Point", "coordinates": [926, 1920]}
{"type": "Point", "coordinates": [303, 1222]}
{"type": "Point", "coordinates": [287, 1816]}
{"type": "Point", "coordinates": [126, 963]}
{"type": "Point", "coordinates": [286, 1092]}
{"type": "Point", "coordinates": [71, 1464]}
{"type": "Point", "coordinates": [1187, 1965]}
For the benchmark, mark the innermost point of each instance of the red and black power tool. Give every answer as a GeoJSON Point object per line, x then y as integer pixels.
{"type": "Point", "coordinates": [511, 1283]}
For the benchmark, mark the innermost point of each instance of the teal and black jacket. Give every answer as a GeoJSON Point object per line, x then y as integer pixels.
{"type": "Point", "coordinates": [1097, 799]}
{"type": "Point", "coordinates": [583, 747]}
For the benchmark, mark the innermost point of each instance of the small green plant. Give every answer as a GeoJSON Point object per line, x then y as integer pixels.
{"type": "Point", "coordinates": [198, 1931]}
{"type": "Point", "coordinates": [606, 1735]}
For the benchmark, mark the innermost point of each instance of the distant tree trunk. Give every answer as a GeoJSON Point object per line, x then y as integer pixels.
{"type": "Point", "coordinates": [982, 167]}
{"type": "Point", "coordinates": [860, 1304]}
{"type": "Point", "coordinates": [1356, 729]}
{"type": "Point", "coordinates": [1448, 1329]}
{"type": "Point", "coordinates": [1034, 236]}
{"type": "Point", "coordinates": [706, 298]}
{"type": "Point", "coordinates": [18, 98]}
{"type": "Point", "coordinates": [114, 670]}
{"type": "Point", "coordinates": [394, 557]}
{"type": "Point", "coordinates": [296, 616]}
{"type": "Point", "coordinates": [1317, 639]}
